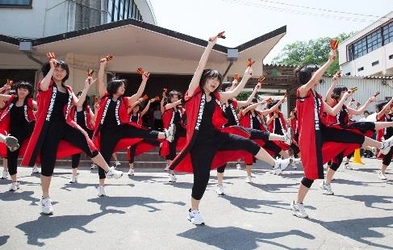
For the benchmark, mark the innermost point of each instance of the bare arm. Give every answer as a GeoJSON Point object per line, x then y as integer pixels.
{"type": "Point", "coordinates": [252, 106]}
{"type": "Point", "coordinates": [143, 112]}
{"type": "Point", "coordinates": [172, 105]}
{"type": "Point", "coordinates": [329, 99]}
{"type": "Point", "coordinates": [249, 100]}
{"type": "Point", "coordinates": [201, 66]}
{"type": "Point", "coordinates": [162, 102]}
{"type": "Point", "coordinates": [360, 110]}
{"type": "Point", "coordinates": [4, 98]}
{"type": "Point", "coordinates": [88, 82]}
{"type": "Point", "coordinates": [385, 109]}
{"type": "Point", "coordinates": [275, 107]}
{"type": "Point", "coordinates": [336, 109]}
{"type": "Point", "coordinates": [46, 81]}
{"type": "Point", "coordinates": [317, 75]}
{"type": "Point", "coordinates": [100, 79]}
{"type": "Point", "coordinates": [132, 99]}
{"type": "Point", "coordinates": [225, 96]}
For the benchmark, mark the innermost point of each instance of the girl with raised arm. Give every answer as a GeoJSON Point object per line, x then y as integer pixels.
{"type": "Point", "coordinates": [56, 134]}
{"type": "Point", "coordinates": [313, 134]}
{"type": "Point", "coordinates": [208, 146]}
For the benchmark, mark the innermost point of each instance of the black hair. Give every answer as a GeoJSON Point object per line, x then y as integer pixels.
{"type": "Point", "coordinates": [379, 106]}
{"type": "Point", "coordinates": [274, 102]}
{"type": "Point", "coordinates": [210, 73]}
{"type": "Point", "coordinates": [59, 63]}
{"type": "Point", "coordinates": [114, 85]}
{"type": "Point", "coordinates": [337, 92]}
{"type": "Point", "coordinates": [172, 93]}
{"type": "Point", "coordinates": [225, 85]}
{"type": "Point", "coordinates": [25, 85]}
{"type": "Point", "coordinates": [87, 99]}
{"type": "Point", "coordinates": [304, 72]}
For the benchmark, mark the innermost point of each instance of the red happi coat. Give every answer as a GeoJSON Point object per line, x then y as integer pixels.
{"type": "Point", "coordinates": [141, 146]}
{"type": "Point", "coordinates": [195, 105]}
{"type": "Point", "coordinates": [122, 117]}
{"type": "Point", "coordinates": [245, 120]}
{"type": "Point", "coordinates": [271, 128]}
{"type": "Point", "coordinates": [167, 119]}
{"type": "Point", "coordinates": [5, 121]}
{"type": "Point", "coordinates": [314, 153]}
{"type": "Point", "coordinates": [45, 101]}
{"type": "Point", "coordinates": [88, 122]}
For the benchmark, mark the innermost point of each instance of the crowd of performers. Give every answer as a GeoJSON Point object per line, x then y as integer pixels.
{"type": "Point", "coordinates": [203, 129]}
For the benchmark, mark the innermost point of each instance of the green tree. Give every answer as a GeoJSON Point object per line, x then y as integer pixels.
{"type": "Point", "coordinates": [309, 52]}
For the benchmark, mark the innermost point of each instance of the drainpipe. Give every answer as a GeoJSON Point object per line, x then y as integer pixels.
{"type": "Point", "coordinates": [232, 55]}
{"type": "Point", "coordinates": [27, 48]}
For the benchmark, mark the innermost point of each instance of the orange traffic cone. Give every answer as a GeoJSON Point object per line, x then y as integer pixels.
{"type": "Point", "coordinates": [356, 157]}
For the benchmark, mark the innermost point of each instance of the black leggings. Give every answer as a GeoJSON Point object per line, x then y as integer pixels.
{"type": "Point", "coordinates": [132, 148]}
{"type": "Point", "coordinates": [75, 159]}
{"type": "Point", "coordinates": [180, 132]}
{"type": "Point", "coordinates": [110, 137]}
{"type": "Point", "coordinates": [202, 156]}
{"type": "Point", "coordinates": [56, 132]}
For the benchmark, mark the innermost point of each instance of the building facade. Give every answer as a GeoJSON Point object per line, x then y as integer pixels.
{"type": "Point", "coordinates": [369, 52]}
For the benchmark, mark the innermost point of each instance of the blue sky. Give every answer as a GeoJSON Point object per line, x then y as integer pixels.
{"type": "Point", "coordinates": [244, 20]}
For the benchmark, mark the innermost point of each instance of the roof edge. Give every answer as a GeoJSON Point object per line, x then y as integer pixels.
{"type": "Point", "coordinates": [262, 38]}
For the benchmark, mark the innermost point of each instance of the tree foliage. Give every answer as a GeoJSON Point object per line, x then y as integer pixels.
{"type": "Point", "coordinates": [309, 52]}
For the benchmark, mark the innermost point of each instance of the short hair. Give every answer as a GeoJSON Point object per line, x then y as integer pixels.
{"type": "Point", "coordinates": [210, 73]}
{"type": "Point", "coordinates": [114, 85]}
{"type": "Point", "coordinates": [59, 63]}
{"type": "Point", "coordinates": [172, 93]}
{"type": "Point", "coordinates": [337, 92]}
{"type": "Point", "coordinates": [304, 72]}
{"type": "Point", "coordinates": [25, 85]}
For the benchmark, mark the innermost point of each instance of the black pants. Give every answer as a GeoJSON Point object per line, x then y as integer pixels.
{"type": "Point", "coordinates": [57, 131]}
{"type": "Point", "coordinates": [21, 133]}
{"type": "Point", "coordinates": [75, 159]}
{"type": "Point", "coordinates": [180, 132]}
{"type": "Point", "coordinates": [202, 156]}
{"type": "Point", "coordinates": [132, 148]}
{"type": "Point", "coordinates": [110, 137]}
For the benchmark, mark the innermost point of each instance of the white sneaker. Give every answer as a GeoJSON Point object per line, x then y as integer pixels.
{"type": "Point", "coordinates": [170, 133]}
{"type": "Point", "coordinates": [46, 206]}
{"type": "Point", "coordinates": [281, 165]}
{"type": "Point", "coordinates": [386, 145]}
{"type": "Point", "coordinates": [220, 189]}
{"type": "Point", "coordinates": [172, 178]}
{"type": "Point", "coordinates": [93, 166]}
{"type": "Point", "coordinates": [248, 179]}
{"type": "Point", "coordinates": [35, 170]}
{"type": "Point", "coordinates": [117, 164]}
{"type": "Point", "coordinates": [238, 166]}
{"type": "Point", "coordinates": [326, 188]}
{"type": "Point", "coordinates": [195, 217]}
{"type": "Point", "coordinates": [131, 172]}
{"type": "Point", "coordinates": [382, 176]}
{"type": "Point", "coordinates": [113, 173]}
{"type": "Point", "coordinates": [74, 179]}
{"type": "Point", "coordinates": [166, 167]}
{"type": "Point", "coordinates": [11, 142]}
{"type": "Point", "coordinates": [288, 137]}
{"type": "Point", "coordinates": [5, 174]}
{"type": "Point", "coordinates": [101, 191]}
{"type": "Point", "coordinates": [298, 210]}
{"type": "Point", "coordinates": [14, 186]}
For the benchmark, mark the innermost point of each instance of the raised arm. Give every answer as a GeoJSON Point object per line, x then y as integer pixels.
{"type": "Point", "coordinates": [360, 110]}
{"type": "Point", "coordinates": [162, 102]}
{"type": "Point", "coordinates": [44, 85]}
{"type": "Point", "coordinates": [275, 107]}
{"type": "Point", "coordinates": [143, 112]}
{"type": "Point", "coordinates": [172, 105]}
{"type": "Point", "coordinates": [100, 79]}
{"type": "Point", "coordinates": [317, 75]}
{"type": "Point", "coordinates": [329, 99]}
{"type": "Point", "coordinates": [249, 100]}
{"type": "Point", "coordinates": [336, 109]}
{"type": "Point", "coordinates": [79, 102]}
{"type": "Point", "coordinates": [201, 66]}
{"type": "Point", "coordinates": [4, 98]}
{"type": "Point", "coordinates": [251, 107]}
{"type": "Point", "coordinates": [385, 108]}
{"type": "Point", "coordinates": [225, 96]}
{"type": "Point", "coordinates": [132, 99]}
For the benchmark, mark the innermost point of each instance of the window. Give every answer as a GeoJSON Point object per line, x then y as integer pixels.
{"type": "Point", "coordinates": [390, 57]}
{"type": "Point", "coordinates": [16, 3]}
{"type": "Point", "coordinates": [360, 48]}
{"type": "Point", "coordinates": [360, 69]}
{"type": "Point", "coordinates": [374, 41]}
{"type": "Point", "coordinates": [375, 63]}
{"type": "Point", "coordinates": [388, 33]}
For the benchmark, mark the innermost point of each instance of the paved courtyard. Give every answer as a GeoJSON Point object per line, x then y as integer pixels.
{"type": "Point", "coordinates": [146, 212]}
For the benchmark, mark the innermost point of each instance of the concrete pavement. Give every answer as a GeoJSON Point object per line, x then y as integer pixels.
{"type": "Point", "coordinates": [145, 212]}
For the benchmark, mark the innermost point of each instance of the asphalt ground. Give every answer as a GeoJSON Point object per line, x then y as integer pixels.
{"type": "Point", "coordinates": [146, 212]}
